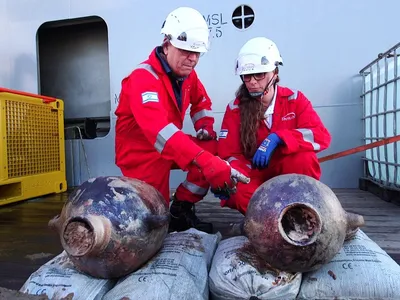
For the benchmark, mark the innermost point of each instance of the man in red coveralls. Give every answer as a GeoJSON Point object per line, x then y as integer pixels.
{"type": "Point", "coordinates": [153, 102]}
{"type": "Point", "coordinates": [268, 129]}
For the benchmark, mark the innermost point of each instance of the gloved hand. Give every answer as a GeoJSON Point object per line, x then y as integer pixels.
{"type": "Point", "coordinates": [226, 192]}
{"type": "Point", "coordinates": [206, 135]}
{"type": "Point", "coordinates": [223, 194]}
{"type": "Point", "coordinates": [264, 152]}
{"type": "Point", "coordinates": [218, 172]}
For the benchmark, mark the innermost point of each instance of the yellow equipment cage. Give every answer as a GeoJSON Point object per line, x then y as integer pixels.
{"type": "Point", "coordinates": [32, 148]}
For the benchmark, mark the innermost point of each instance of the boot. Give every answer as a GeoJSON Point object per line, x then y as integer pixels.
{"type": "Point", "coordinates": [183, 217]}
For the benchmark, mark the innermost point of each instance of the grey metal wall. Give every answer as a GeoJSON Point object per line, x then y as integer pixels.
{"type": "Point", "coordinates": [323, 44]}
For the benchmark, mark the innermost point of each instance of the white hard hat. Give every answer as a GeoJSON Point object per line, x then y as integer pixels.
{"type": "Point", "coordinates": [187, 30]}
{"type": "Point", "coordinates": [258, 55]}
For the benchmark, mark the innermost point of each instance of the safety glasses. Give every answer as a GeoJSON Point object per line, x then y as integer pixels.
{"type": "Point", "coordinates": [187, 53]}
{"type": "Point", "coordinates": [257, 76]}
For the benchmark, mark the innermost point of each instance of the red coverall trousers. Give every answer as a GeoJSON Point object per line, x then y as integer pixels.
{"type": "Point", "coordinates": [305, 163]}
{"type": "Point", "coordinates": [157, 174]}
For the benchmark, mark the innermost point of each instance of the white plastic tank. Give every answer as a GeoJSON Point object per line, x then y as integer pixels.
{"type": "Point", "coordinates": [381, 99]}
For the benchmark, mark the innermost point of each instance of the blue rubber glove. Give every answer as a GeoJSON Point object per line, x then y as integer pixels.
{"type": "Point", "coordinates": [264, 152]}
{"type": "Point", "coordinates": [221, 196]}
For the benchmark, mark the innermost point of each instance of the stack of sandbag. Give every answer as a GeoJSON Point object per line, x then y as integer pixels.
{"type": "Point", "coordinates": [59, 279]}
{"type": "Point", "coordinates": [361, 270]}
{"type": "Point", "coordinates": [238, 273]}
{"type": "Point", "coordinates": [178, 271]}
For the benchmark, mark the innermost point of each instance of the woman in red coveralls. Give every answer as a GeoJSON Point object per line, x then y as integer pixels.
{"type": "Point", "coordinates": [268, 129]}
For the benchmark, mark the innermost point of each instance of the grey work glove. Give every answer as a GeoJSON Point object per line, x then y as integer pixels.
{"type": "Point", "coordinates": [203, 134]}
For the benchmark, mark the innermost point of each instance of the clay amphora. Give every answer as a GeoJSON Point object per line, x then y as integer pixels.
{"type": "Point", "coordinates": [110, 226]}
{"type": "Point", "coordinates": [297, 224]}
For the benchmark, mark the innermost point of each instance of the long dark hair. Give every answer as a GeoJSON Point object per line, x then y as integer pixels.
{"type": "Point", "coordinates": [251, 113]}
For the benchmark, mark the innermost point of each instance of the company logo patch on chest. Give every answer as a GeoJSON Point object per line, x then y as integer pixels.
{"type": "Point", "coordinates": [149, 97]}
{"type": "Point", "coordinates": [289, 116]}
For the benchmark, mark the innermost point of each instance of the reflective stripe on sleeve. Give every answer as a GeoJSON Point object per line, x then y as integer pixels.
{"type": "Point", "coordinates": [308, 136]}
{"type": "Point", "coordinates": [201, 114]}
{"type": "Point", "coordinates": [164, 135]}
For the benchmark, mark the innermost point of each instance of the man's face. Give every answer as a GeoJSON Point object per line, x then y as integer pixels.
{"type": "Point", "coordinates": [182, 62]}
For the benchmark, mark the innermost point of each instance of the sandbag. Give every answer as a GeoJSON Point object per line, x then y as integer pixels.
{"type": "Point", "coordinates": [178, 271]}
{"type": "Point", "coordinates": [361, 270]}
{"type": "Point", "coordinates": [59, 279]}
{"type": "Point", "coordinates": [237, 272]}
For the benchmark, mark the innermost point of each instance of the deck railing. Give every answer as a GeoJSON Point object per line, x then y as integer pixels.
{"type": "Point", "coordinates": [381, 118]}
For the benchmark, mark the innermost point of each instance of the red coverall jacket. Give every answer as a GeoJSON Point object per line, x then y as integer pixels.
{"type": "Point", "coordinates": [149, 121]}
{"type": "Point", "coordinates": [294, 120]}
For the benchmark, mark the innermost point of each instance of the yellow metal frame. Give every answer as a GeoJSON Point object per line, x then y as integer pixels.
{"type": "Point", "coordinates": [23, 173]}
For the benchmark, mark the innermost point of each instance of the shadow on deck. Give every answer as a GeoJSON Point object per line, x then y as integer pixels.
{"type": "Point", "coordinates": [26, 242]}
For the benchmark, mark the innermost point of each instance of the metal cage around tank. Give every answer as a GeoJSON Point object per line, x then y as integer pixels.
{"type": "Point", "coordinates": [32, 146]}
{"type": "Point", "coordinates": [381, 119]}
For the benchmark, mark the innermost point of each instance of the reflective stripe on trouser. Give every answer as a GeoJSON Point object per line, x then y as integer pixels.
{"type": "Point", "coordinates": [195, 187]}
{"type": "Point", "coordinates": [300, 163]}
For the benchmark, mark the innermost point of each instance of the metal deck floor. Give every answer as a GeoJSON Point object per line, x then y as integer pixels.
{"type": "Point", "coordinates": [26, 242]}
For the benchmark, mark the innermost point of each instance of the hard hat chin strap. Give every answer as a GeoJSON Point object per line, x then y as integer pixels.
{"type": "Point", "coordinates": [256, 94]}
{"type": "Point", "coordinates": [266, 90]}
